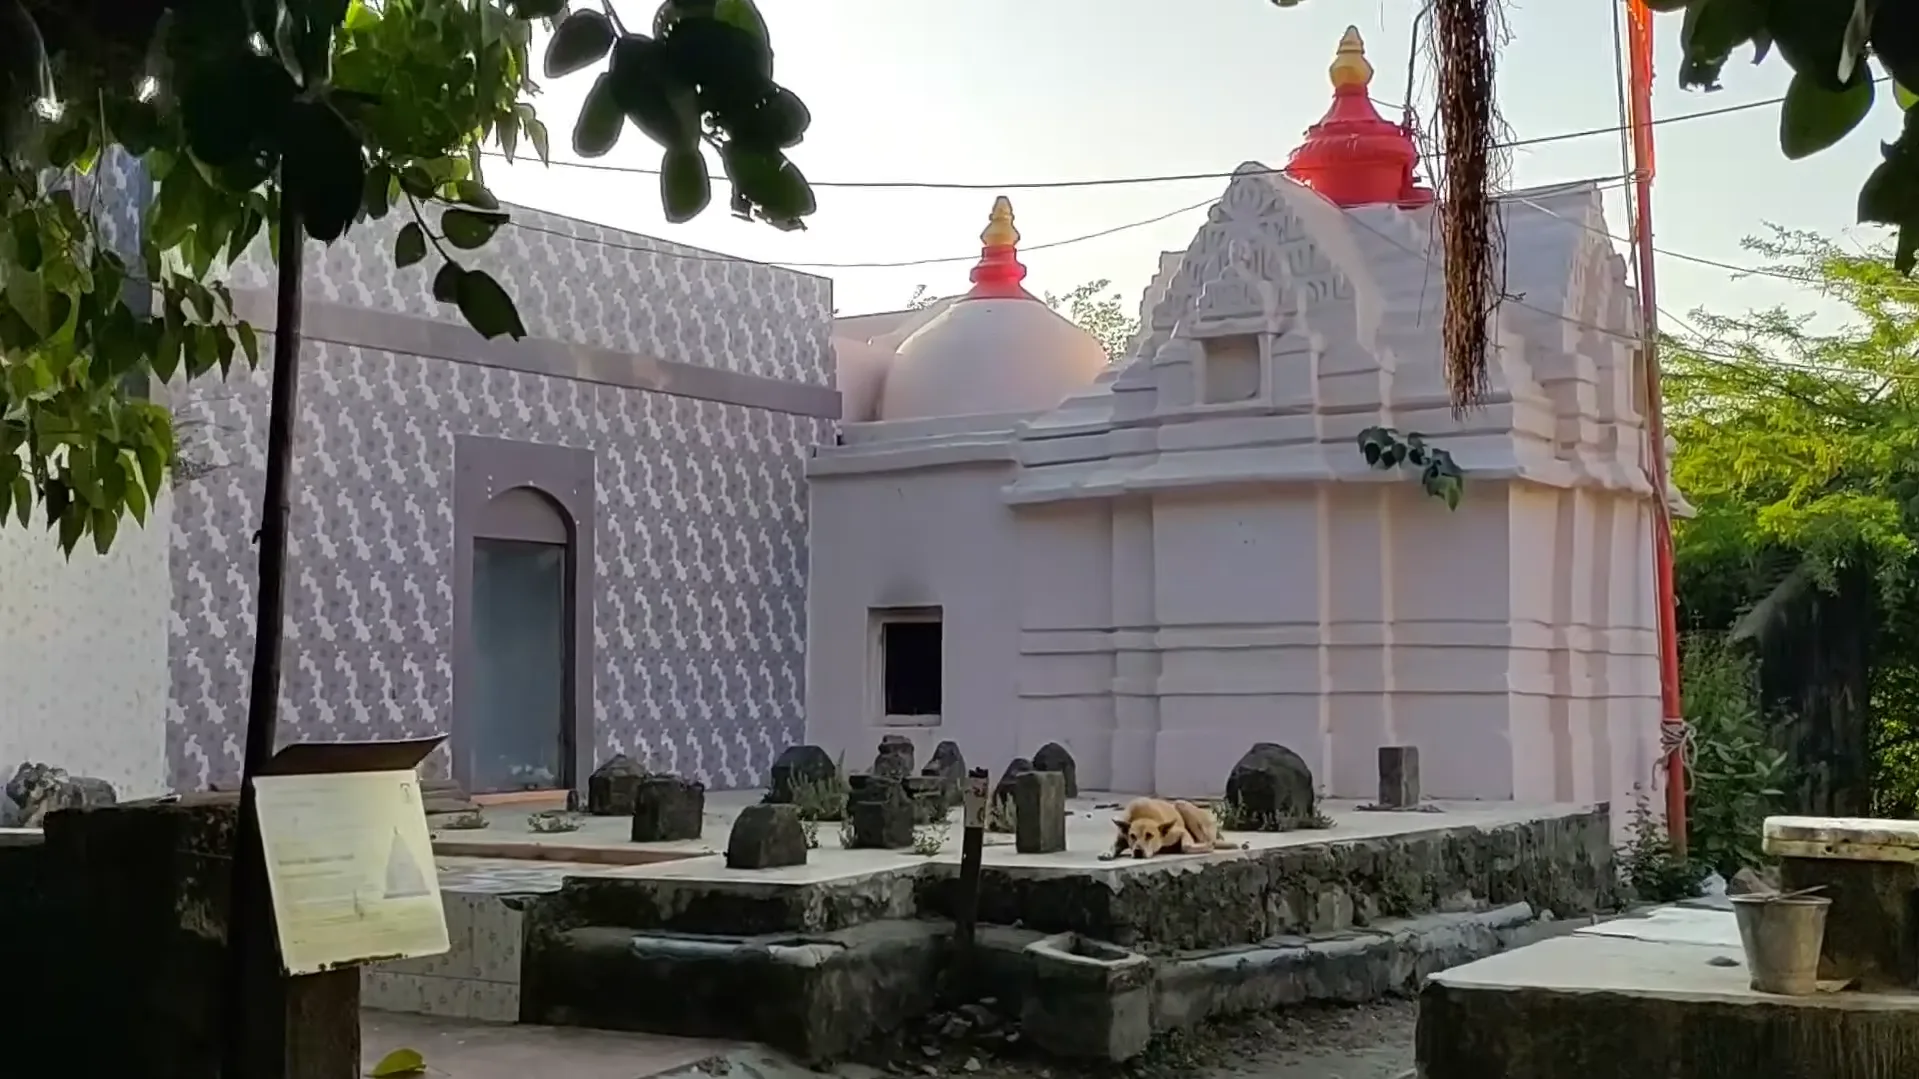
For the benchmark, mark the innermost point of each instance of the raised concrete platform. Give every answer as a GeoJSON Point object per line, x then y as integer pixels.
{"type": "Point", "coordinates": [856, 939]}
{"type": "Point", "coordinates": [1666, 995]}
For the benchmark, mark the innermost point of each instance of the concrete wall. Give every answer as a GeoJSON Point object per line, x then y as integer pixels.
{"type": "Point", "coordinates": [83, 653]}
{"type": "Point", "coordinates": [696, 383]}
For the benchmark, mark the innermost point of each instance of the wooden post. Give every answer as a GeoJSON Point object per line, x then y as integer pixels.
{"type": "Point", "coordinates": [972, 847]}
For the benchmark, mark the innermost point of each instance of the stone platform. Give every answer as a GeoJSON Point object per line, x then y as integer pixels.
{"type": "Point", "coordinates": [1667, 995]}
{"type": "Point", "coordinates": [814, 958]}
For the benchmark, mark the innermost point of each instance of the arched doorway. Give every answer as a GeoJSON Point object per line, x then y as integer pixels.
{"type": "Point", "coordinates": [521, 726]}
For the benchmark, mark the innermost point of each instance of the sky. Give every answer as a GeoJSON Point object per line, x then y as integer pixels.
{"type": "Point", "coordinates": [1005, 92]}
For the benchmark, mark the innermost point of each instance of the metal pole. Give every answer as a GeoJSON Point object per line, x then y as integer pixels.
{"type": "Point", "coordinates": [1672, 727]}
{"type": "Point", "coordinates": [972, 848]}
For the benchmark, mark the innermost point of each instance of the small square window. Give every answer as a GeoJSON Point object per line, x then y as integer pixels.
{"type": "Point", "coordinates": [910, 645]}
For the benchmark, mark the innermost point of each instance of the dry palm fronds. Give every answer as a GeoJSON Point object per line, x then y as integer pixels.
{"type": "Point", "coordinates": [1463, 41]}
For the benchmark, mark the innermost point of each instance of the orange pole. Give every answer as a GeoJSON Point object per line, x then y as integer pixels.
{"type": "Point", "coordinates": [1672, 727]}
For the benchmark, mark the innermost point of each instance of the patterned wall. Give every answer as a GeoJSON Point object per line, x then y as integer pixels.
{"type": "Point", "coordinates": [699, 621]}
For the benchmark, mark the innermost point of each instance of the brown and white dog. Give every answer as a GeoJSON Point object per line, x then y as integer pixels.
{"type": "Point", "coordinates": [1152, 826]}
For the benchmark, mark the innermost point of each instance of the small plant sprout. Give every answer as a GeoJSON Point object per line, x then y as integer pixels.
{"type": "Point", "coordinates": [929, 839]}
{"type": "Point", "coordinates": [1387, 450]}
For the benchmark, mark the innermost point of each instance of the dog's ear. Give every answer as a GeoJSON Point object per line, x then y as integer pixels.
{"type": "Point", "coordinates": [1122, 823]}
{"type": "Point", "coordinates": [1166, 827]}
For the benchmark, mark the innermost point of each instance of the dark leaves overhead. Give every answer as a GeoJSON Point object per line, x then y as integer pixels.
{"type": "Point", "coordinates": [1837, 50]}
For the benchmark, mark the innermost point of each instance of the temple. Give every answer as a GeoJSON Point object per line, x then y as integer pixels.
{"type": "Point", "coordinates": [1162, 559]}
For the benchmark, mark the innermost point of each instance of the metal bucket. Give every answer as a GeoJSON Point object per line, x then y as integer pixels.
{"type": "Point", "coordinates": [1782, 935]}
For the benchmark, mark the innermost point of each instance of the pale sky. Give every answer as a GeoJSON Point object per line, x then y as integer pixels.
{"type": "Point", "coordinates": [1018, 91]}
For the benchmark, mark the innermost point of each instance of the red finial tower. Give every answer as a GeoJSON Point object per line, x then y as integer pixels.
{"type": "Point", "coordinates": [1352, 156]}
{"type": "Point", "coordinates": [999, 273]}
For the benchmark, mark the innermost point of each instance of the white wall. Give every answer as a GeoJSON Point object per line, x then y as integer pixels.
{"type": "Point", "coordinates": [83, 654]}
{"type": "Point", "coordinates": [937, 537]}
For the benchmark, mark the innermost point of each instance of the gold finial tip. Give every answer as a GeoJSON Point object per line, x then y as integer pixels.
{"type": "Point", "coordinates": [1350, 66]}
{"type": "Point", "coordinates": [999, 225]}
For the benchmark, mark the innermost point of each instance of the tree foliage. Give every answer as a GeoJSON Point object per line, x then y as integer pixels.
{"type": "Point", "coordinates": [348, 109]}
{"type": "Point", "coordinates": [1838, 50]}
{"type": "Point", "coordinates": [1800, 448]}
{"type": "Point", "coordinates": [1098, 310]}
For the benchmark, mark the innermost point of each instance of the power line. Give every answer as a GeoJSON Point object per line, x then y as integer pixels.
{"type": "Point", "coordinates": [1126, 181]}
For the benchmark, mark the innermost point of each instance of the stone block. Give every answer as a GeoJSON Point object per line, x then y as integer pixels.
{"type": "Point", "coordinates": [1003, 790]}
{"type": "Point", "coordinates": [767, 836]}
{"type": "Point", "coordinates": [667, 809]}
{"type": "Point", "coordinates": [1272, 789]}
{"type": "Point", "coordinates": [1053, 757]}
{"type": "Point", "coordinates": [611, 787]}
{"type": "Point", "coordinates": [799, 768]}
{"type": "Point", "coordinates": [1039, 812]}
{"type": "Point", "coordinates": [928, 794]}
{"type": "Point", "coordinates": [895, 757]}
{"type": "Point", "coordinates": [37, 790]}
{"type": "Point", "coordinates": [881, 813]}
{"type": "Point", "coordinates": [1090, 1000]}
{"type": "Point", "coordinates": [1398, 777]}
{"type": "Point", "coordinates": [949, 765]}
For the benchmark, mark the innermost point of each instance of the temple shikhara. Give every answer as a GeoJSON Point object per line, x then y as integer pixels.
{"type": "Point", "coordinates": [1159, 558]}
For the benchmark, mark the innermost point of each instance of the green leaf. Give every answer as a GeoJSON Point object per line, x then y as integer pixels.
{"type": "Point", "coordinates": [487, 307]}
{"type": "Point", "coordinates": [598, 128]}
{"type": "Point", "coordinates": [399, 1064]}
{"type": "Point", "coordinates": [409, 246]}
{"type": "Point", "coordinates": [72, 524]}
{"type": "Point", "coordinates": [1814, 118]}
{"type": "Point", "coordinates": [582, 38]}
{"type": "Point", "coordinates": [446, 283]}
{"type": "Point", "coordinates": [22, 499]}
{"type": "Point", "coordinates": [659, 102]}
{"type": "Point", "coordinates": [538, 9]}
{"type": "Point", "coordinates": [743, 14]}
{"type": "Point", "coordinates": [230, 106]}
{"type": "Point", "coordinates": [771, 182]}
{"type": "Point", "coordinates": [249, 342]}
{"type": "Point", "coordinates": [775, 122]}
{"type": "Point", "coordinates": [418, 182]}
{"type": "Point", "coordinates": [326, 168]}
{"type": "Point", "coordinates": [1811, 37]}
{"type": "Point", "coordinates": [106, 525]}
{"type": "Point", "coordinates": [27, 294]}
{"type": "Point", "coordinates": [153, 465]}
{"type": "Point", "coordinates": [474, 193]}
{"type": "Point", "coordinates": [1906, 98]}
{"type": "Point", "coordinates": [469, 229]}
{"type": "Point", "coordinates": [536, 134]}
{"type": "Point", "coordinates": [379, 191]}
{"type": "Point", "coordinates": [1714, 28]}
{"type": "Point", "coordinates": [685, 188]}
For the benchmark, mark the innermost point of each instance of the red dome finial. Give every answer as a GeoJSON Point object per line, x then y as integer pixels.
{"type": "Point", "coordinates": [999, 273]}
{"type": "Point", "coordinates": [1352, 156]}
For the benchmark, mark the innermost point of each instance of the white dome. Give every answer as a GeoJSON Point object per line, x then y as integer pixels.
{"type": "Point", "coordinates": [989, 355]}
{"type": "Point", "coordinates": [859, 370]}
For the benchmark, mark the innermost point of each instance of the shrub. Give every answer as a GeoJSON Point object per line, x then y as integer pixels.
{"type": "Point", "coordinates": [1737, 777]}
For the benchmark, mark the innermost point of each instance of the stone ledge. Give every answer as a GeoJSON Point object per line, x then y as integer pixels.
{"type": "Point", "coordinates": [1594, 1006]}
{"type": "Point", "coordinates": [1561, 863]}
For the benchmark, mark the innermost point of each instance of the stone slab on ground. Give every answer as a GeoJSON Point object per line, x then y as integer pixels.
{"type": "Point", "coordinates": [1669, 999]}
{"type": "Point", "coordinates": [458, 1049]}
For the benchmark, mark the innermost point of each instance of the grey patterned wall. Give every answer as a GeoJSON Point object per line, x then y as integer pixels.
{"type": "Point", "coordinates": [699, 620]}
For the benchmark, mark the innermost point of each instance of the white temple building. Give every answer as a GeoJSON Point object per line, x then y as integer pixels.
{"type": "Point", "coordinates": [1160, 561]}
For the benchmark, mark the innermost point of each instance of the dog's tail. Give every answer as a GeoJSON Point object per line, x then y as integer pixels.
{"type": "Point", "coordinates": [1227, 844]}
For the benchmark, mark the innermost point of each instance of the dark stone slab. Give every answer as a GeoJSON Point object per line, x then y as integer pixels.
{"type": "Point", "coordinates": [667, 809]}
{"type": "Point", "coordinates": [949, 765]}
{"type": "Point", "coordinates": [881, 813]}
{"type": "Point", "coordinates": [799, 770]}
{"type": "Point", "coordinates": [1002, 799]}
{"type": "Point", "coordinates": [1053, 757]}
{"type": "Point", "coordinates": [142, 892]}
{"type": "Point", "coordinates": [895, 758]}
{"type": "Point", "coordinates": [1039, 812]}
{"type": "Point", "coordinates": [928, 794]}
{"type": "Point", "coordinates": [1398, 777]}
{"type": "Point", "coordinates": [1272, 789]}
{"type": "Point", "coordinates": [37, 790]}
{"type": "Point", "coordinates": [1872, 929]}
{"type": "Point", "coordinates": [611, 788]}
{"type": "Point", "coordinates": [766, 837]}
